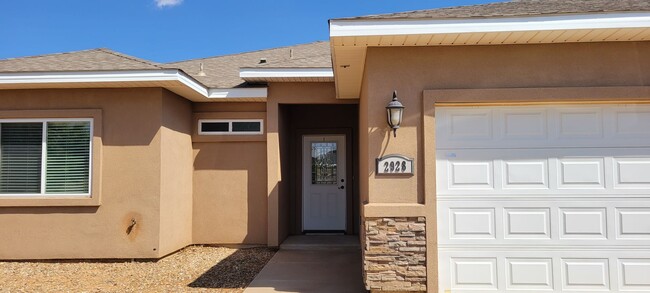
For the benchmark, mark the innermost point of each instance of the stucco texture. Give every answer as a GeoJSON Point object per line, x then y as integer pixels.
{"type": "Point", "coordinates": [413, 70]}
{"type": "Point", "coordinates": [131, 176]}
{"type": "Point", "coordinates": [229, 198]}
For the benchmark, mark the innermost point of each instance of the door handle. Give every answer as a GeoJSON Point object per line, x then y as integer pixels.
{"type": "Point", "coordinates": [342, 187]}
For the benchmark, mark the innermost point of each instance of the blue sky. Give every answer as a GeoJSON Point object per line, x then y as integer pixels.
{"type": "Point", "coordinates": [171, 30]}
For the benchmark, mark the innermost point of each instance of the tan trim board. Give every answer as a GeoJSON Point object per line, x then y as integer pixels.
{"type": "Point", "coordinates": [378, 210]}
{"type": "Point", "coordinates": [467, 97]}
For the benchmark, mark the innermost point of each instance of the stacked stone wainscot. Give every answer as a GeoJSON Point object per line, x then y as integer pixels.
{"type": "Point", "coordinates": [394, 254]}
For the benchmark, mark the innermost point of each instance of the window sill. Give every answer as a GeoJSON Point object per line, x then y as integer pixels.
{"type": "Point", "coordinates": [48, 201]}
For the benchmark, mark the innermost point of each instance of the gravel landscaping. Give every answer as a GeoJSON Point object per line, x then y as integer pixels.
{"type": "Point", "coordinates": [193, 269]}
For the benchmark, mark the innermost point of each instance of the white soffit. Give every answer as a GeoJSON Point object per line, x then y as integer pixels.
{"type": "Point", "coordinates": [171, 79]}
{"type": "Point", "coordinates": [317, 74]}
{"type": "Point", "coordinates": [350, 38]}
{"type": "Point", "coordinates": [232, 93]}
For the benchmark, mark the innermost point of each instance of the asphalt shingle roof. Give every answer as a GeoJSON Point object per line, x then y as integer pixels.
{"type": "Point", "coordinates": [87, 60]}
{"type": "Point", "coordinates": [519, 8]}
{"type": "Point", "coordinates": [223, 71]}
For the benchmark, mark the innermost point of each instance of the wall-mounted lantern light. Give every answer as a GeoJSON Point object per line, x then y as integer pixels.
{"type": "Point", "coordinates": [394, 110]}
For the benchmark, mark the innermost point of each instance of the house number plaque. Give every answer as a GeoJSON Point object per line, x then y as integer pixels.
{"type": "Point", "coordinates": [394, 165]}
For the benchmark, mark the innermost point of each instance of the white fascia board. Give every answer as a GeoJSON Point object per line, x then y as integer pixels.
{"type": "Point", "coordinates": [348, 28]}
{"type": "Point", "coordinates": [285, 72]}
{"type": "Point", "coordinates": [102, 76]}
{"type": "Point", "coordinates": [230, 93]}
{"type": "Point", "coordinates": [88, 76]}
{"type": "Point", "coordinates": [129, 76]}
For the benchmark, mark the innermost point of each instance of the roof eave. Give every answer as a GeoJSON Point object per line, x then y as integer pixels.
{"type": "Point", "coordinates": [349, 39]}
{"type": "Point", "coordinates": [287, 74]}
{"type": "Point", "coordinates": [174, 80]}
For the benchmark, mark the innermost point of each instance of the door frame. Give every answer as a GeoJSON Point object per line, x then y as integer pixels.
{"type": "Point", "coordinates": [350, 185]}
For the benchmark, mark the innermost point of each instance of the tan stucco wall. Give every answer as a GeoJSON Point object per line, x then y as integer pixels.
{"type": "Point", "coordinates": [277, 183]}
{"type": "Point", "coordinates": [176, 173]}
{"type": "Point", "coordinates": [411, 70]}
{"type": "Point", "coordinates": [130, 170]}
{"type": "Point", "coordinates": [230, 202]}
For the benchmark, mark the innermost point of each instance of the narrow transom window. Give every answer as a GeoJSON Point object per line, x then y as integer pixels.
{"type": "Point", "coordinates": [45, 157]}
{"type": "Point", "coordinates": [230, 127]}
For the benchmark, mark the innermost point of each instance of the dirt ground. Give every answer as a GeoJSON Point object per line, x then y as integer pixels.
{"type": "Point", "coordinates": [193, 269]}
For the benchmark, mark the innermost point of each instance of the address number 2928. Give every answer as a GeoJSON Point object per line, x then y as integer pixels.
{"type": "Point", "coordinates": [394, 164]}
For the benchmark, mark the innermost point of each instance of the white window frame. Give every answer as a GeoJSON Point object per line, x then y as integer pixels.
{"type": "Point", "coordinates": [44, 157]}
{"type": "Point", "coordinates": [230, 131]}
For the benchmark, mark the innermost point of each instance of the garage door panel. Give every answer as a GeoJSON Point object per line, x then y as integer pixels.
{"type": "Point", "coordinates": [634, 274]}
{"type": "Point", "coordinates": [631, 122]}
{"type": "Point", "coordinates": [544, 270]}
{"type": "Point", "coordinates": [580, 123]}
{"type": "Point", "coordinates": [543, 126]}
{"type": "Point", "coordinates": [562, 222]}
{"type": "Point", "coordinates": [582, 223]}
{"type": "Point", "coordinates": [633, 223]}
{"type": "Point", "coordinates": [551, 172]}
{"type": "Point", "coordinates": [527, 223]}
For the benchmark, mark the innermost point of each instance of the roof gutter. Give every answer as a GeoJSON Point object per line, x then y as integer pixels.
{"type": "Point", "coordinates": [383, 27]}
{"type": "Point", "coordinates": [108, 77]}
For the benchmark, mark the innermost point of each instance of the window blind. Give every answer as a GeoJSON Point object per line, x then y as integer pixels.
{"type": "Point", "coordinates": [20, 157]}
{"type": "Point", "coordinates": [68, 157]}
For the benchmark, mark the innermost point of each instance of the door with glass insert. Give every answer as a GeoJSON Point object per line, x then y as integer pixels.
{"type": "Point", "coordinates": [323, 183]}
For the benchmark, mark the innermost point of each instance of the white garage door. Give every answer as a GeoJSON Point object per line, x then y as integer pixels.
{"type": "Point", "coordinates": [543, 198]}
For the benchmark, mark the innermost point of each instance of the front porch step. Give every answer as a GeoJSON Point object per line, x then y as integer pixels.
{"type": "Point", "coordinates": [321, 242]}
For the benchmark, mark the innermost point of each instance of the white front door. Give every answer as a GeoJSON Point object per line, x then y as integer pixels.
{"type": "Point", "coordinates": [323, 182]}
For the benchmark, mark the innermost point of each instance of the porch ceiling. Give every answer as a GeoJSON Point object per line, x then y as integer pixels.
{"type": "Point", "coordinates": [349, 39]}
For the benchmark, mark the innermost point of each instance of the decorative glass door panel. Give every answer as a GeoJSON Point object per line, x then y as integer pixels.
{"type": "Point", "coordinates": [324, 194]}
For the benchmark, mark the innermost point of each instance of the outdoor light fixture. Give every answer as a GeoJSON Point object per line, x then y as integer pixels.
{"type": "Point", "coordinates": [394, 110]}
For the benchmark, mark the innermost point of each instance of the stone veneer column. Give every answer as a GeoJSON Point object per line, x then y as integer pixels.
{"type": "Point", "coordinates": [394, 254]}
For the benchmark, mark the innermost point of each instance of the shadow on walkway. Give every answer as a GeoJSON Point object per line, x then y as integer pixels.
{"type": "Point", "coordinates": [235, 271]}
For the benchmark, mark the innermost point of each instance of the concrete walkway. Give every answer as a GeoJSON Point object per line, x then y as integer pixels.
{"type": "Point", "coordinates": [312, 264]}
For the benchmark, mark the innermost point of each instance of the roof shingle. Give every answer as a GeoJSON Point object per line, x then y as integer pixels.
{"type": "Point", "coordinates": [87, 60]}
{"type": "Point", "coordinates": [519, 8]}
{"type": "Point", "coordinates": [223, 71]}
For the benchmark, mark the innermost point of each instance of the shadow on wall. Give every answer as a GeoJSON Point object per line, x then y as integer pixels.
{"type": "Point", "coordinates": [235, 271]}
{"type": "Point", "coordinates": [230, 192]}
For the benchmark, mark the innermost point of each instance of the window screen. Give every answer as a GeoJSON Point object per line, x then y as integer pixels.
{"type": "Point", "coordinates": [215, 127]}
{"type": "Point", "coordinates": [20, 162]}
{"type": "Point", "coordinates": [253, 126]}
{"type": "Point", "coordinates": [230, 127]}
{"type": "Point", "coordinates": [66, 157]}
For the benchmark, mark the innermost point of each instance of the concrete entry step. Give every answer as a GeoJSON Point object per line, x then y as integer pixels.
{"type": "Point", "coordinates": [321, 242]}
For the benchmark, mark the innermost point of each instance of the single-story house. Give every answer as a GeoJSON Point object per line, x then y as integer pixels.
{"type": "Point", "coordinates": [519, 163]}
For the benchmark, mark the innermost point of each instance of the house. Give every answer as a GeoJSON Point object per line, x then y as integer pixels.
{"type": "Point", "coordinates": [521, 161]}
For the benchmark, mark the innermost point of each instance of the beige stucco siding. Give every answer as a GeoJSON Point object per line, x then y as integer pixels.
{"type": "Point", "coordinates": [176, 173]}
{"type": "Point", "coordinates": [229, 182]}
{"type": "Point", "coordinates": [130, 171]}
{"type": "Point", "coordinates": [412, 70]}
